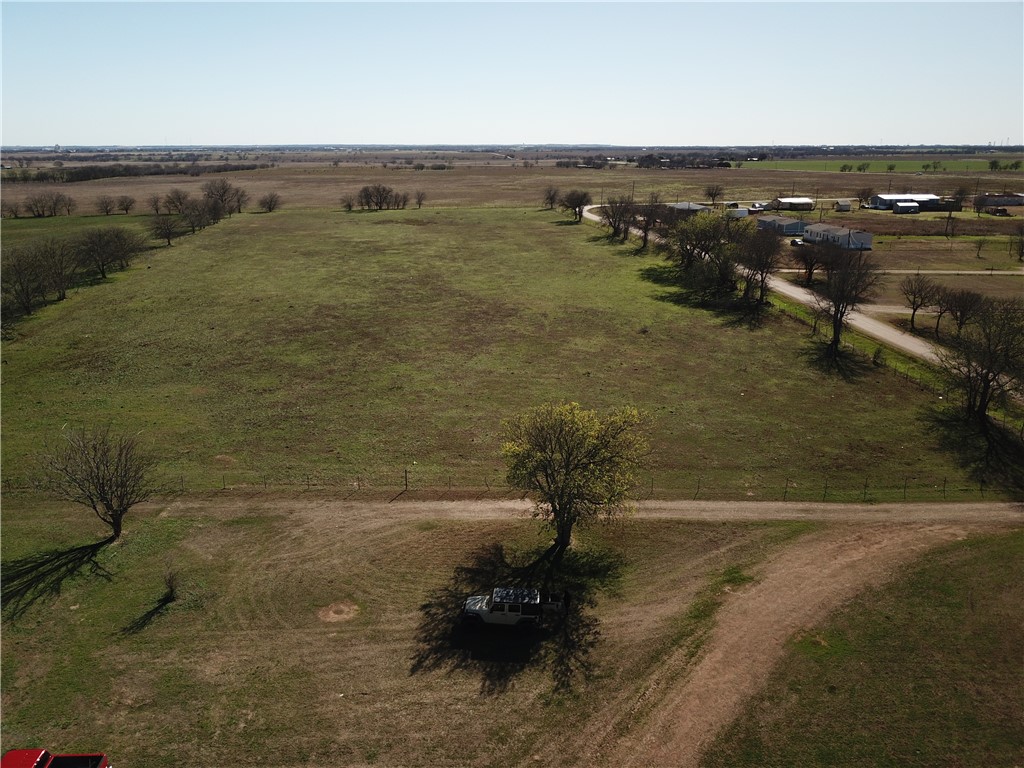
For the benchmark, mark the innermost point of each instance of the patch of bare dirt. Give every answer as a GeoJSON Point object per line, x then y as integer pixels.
{"type": "Point", "coordinates": [343, 611]}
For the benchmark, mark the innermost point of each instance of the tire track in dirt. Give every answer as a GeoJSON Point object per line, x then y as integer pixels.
{"type": "Point", "coordinates": [794, 591]}
{"type": "Point", "coordinates": [669, 718]}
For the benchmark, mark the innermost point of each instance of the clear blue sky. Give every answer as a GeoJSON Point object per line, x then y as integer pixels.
{"type": "Point", "coordinates": [573, 72]}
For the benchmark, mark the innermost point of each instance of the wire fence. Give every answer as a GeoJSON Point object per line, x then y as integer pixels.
{"type": "Point", "coordinates": [391, 486]}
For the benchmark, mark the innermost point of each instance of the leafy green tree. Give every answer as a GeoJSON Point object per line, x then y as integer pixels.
{"type": "Point", "coordinates": [579, 464]}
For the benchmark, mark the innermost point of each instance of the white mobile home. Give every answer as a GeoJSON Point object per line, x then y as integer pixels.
{"type": "Point", "coordinates": [848, 239]}
{"type": "Point", "coordinates": [926, 202]}
{"type": "Point", "coordinates": [793, 204]}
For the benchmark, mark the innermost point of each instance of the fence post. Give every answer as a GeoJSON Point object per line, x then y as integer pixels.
{"type": "Point", "coordinates": [824, 495]}
{"type": "Point", "coordinates": [695, 495]}
{"type": "Point", "coordinates": [407, 478]}
{"type": "Point", "coordinates": [785, 493]}
{"type": "Point", "coordinates": [865, 497]}
{"type": "Point", "coordinates": [943, 489]}
{"type": "Point", "coordinates": [904, 489]}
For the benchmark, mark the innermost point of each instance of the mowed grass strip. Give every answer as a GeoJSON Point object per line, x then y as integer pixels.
{"type": "Point", "coordinates": [924, 671]}
{"type": "Point", "coordinates": [244, 661]}
{"type": "Point", "coordinates": [320, 347]}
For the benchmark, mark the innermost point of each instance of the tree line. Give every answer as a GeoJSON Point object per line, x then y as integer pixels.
{"type": "Point", "coordinates": [60, 174]}
{"type": "Point", "coordinates": [379, 197]}
{"type": "Point", "coordinates": [714, 256]}
{"type": "Point", "coordinates": [33, 274]}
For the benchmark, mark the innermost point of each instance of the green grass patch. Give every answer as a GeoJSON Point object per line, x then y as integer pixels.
{"type": "Point", "coordinates": [922, 672]}
{"type": "Point", "coordinates": [321, 348]}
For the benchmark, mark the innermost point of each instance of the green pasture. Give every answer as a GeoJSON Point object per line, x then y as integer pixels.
{"type": "Point", "coordinates": [924, 671]}
{"type": "Point", "coordinates": [311, 347]}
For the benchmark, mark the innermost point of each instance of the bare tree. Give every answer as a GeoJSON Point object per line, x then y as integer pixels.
{"type": "Point", "coordinates": [575, 200]}
{"type": "Point", "coordinates": [270, 202]}
{"type": "Point", "coordinates": [105, 204]}
{"type": "Point", "coordinates": [809, 258]}
{"type": "Point", "coordinates": [67, 204]}
{"type": "Point", "coordinates": [551, 197]}
{"type": "Point", "coordinates": [648, 214]}
{"type": "Point", "coordinates": [107, 472]}
{"type": "Point", "coordinates": [618, 213]}
{"type": "Point", "coordinates": [851, 278]}
{"type": "Point", "coordinates": [177, 200]}
{"type": "Point", "coordinates": [166, 227]}
{"type": "Point", "coordinates": [237, 200]}
{"type": "Point", "coordinates": [154, 202]}
{"type": "Point", "coordinates": [21, 277]}
{"type": "Point", "coordinates": [987, 359]}
{"type": "Point", "coordinates": [421, 198]}
{"type": "Point", "coordinates": [963, 306]}
{"type": "Point", "coordinates": [106, 247]}
{"type": "Point", "coordinates": [59, 262]}
{"type": "Point", "coordinates": [10, 209]}
{"type": "Point", "coordinates": [760, 255]}
{"type": "Point", "coordinates": [126, 203]}
{"type": "Point", "coordinates": [713, 192]}
{"type": "Point", "coordinates": [919, 291]}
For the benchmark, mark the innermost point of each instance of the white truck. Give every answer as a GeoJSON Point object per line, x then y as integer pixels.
{"type": "Point", "coordinates": [511, 606]}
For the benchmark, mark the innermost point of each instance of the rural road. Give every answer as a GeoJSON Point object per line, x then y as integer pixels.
{"type": "Point", "coordinates": [670, 715]}
{"type": "Point", "coordinates": [859, 321]}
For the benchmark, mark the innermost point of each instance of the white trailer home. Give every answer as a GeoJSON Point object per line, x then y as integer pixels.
{"type": "Point", "coordinates": [847, 239]}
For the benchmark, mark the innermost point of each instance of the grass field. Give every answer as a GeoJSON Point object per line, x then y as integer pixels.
{"type": "Point", "coordinates": [912, 674]}
{"type": "Point", "coordinates": [312, 346]}
{"type": "Point", "coordinates": [207, 678]}
{"type": "Point", "coordinates": [280, 363]}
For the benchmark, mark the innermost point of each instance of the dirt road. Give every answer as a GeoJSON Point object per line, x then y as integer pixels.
{"type": "Point", "coordinates": [671, 716]}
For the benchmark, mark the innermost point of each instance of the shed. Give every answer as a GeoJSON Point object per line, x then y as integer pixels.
{"type": "Point", "coordinates": [905, 207]}
{"type": "Point", "coordinates": [736, 213]}
{"type": "Point", "coordinates": [843, 205]}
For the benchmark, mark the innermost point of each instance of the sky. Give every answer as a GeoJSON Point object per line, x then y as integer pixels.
{"type": "Point", "coordinates": [634, 74]}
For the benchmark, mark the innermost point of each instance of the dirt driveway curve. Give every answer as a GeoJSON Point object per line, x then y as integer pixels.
{"type": "Point", "coordinates": [796, 588]}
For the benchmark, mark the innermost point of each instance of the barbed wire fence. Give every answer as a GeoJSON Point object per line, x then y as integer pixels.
{"type": "Point", "coordinates": [696, 486]}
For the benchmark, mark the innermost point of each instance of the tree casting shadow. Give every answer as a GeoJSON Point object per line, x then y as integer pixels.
{"type": "Point", "coordinates": [562, 643]}
{"type": "Point", "coordinates": [849, 366]}
{"type": "Point", "coordinates": [993, 457]}
{"type": "Point", "coordinates": [43, 574]}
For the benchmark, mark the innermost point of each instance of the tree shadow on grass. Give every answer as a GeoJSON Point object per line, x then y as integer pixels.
{"type": "Point", "coordinates": [43, 574]}
{"type": "Point", "coordinates": [848, 365]}
{"type": "Point", "coordinates": [733, 311]}
{"type": "Point", "coordinates": [560, 643]}
{"type": "Point", "coordinates": [159, 607]}
{"type": "Point", "coordinates": [992, 457]}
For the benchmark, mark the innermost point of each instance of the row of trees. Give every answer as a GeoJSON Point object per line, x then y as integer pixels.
{"type": "Point", "coordinates": [379, 197]}
{"type": "Point", "coordinates": [219, 196]}
{"type": "Point", "coordinates": [33, 273]}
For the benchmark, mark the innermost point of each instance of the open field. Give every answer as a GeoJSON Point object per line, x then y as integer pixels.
{"type": "Point", "coordinates": [306, 183]}
{"type": "Point", "coordinates": [320, 347]}
{"type": "Point", "coordinates": [304, 625]}
{"type": "Point", "coordinates": [325, 392]}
